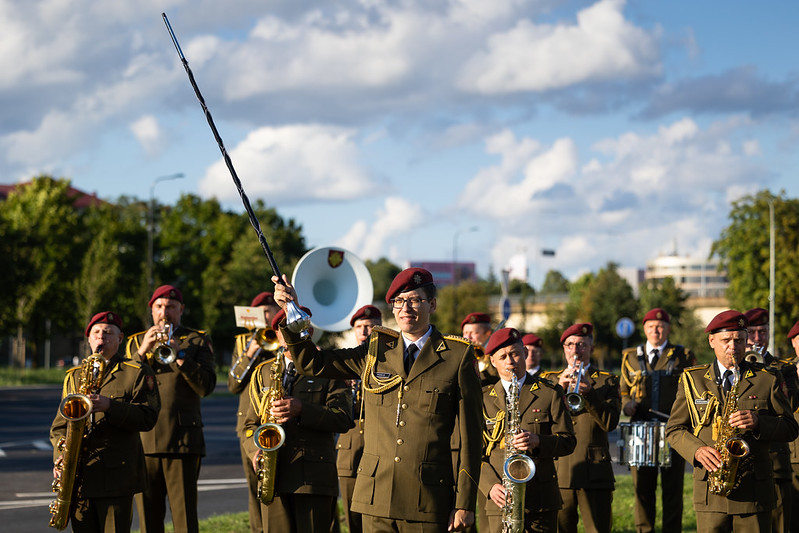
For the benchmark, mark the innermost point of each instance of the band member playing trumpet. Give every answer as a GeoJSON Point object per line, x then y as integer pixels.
{"type": "Point", "coordinates": [476, 328]}
{"type": "Point", "coordinates": [545, 432]}
{"type": "Point", "coordinates": [733, 475]}
{"type": "Point", "coordinates": [111, 462]}
{"type": "Point", "coordinates": [248, 353]}
{"type": "Point", "coordinates": [311, 411]}
{"type": "Point", "coordinates": [586, 476]}
{"type": "Point", "coordinates": [649, 375]}
{"type": "Point", "coordinates": [184, 367]}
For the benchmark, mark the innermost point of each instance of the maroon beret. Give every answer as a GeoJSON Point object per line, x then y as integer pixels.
{"type": "Point", "coordinates": [166, 291]}
{"type": "Point", "coordinates": [280, 315]}
{"type": "Point", "coordinates": [106, 317]}
{"type": "Point", "coordinates": [476, 318]}
{"type": "Point", "coordinates": [501, 338]}
{"type": "Point", "coordinates": [794, 330]}
{"type": "Point", "coordinates": [367, 311]}
{"type": "Point", "coordinates": [657, 314]}
{"type": "Point", "coordinates": [408, 280]}
{"type": "Point", "coordinates": [729, 320]}
{"type": "Point", "coordinates": [582, 329]}
{"type": "Point", "coordinates": [263, 298]}
{"type": "Point", "coordinates": [757, 316]}
{"type": "Point", "coordinates": [533, 339]}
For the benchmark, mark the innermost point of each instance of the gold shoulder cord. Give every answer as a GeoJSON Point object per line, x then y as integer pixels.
{"type": "Point", "coordinates": [491, 438]}
{"type": "Point", "coordinates": [256, 398]}
{"type": "Point", "coordinates": [636, 383]}
{"type": "Point", "coordinates": [692, 394]}
{"type": "Point", "coordinates": [382, 385]}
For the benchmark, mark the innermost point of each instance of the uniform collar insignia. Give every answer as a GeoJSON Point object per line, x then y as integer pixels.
{"type": "Point", "coordinates": [493, 393]}
{"type": "Point", "coordinates": [534, 387]}
{"type": "Point", "coordinates": [391, 344]}
{"type": "Point", "coordinates": [708, 375]}
{"type": "Point", "coordinates": [595, 374]}
{"type": "Point", "coordinates": [749, 374]}
{"type": "Point", "coordinates": [441, 347]}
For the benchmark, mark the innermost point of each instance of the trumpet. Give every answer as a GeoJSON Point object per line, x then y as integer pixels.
{"type": "Point", "coordinates": [755, 354]}
{"type": "Point", "coordinates": [164, 353]}
{"type": "Point", "coordinates": [266, 339]}
{"type": "Point", "coordinates": [574, 401]}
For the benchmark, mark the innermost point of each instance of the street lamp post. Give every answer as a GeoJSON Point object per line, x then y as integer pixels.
{"type": "Point", "coordinates": [455, 268]}
{"type": "Point", "coordinates": [151, 225]}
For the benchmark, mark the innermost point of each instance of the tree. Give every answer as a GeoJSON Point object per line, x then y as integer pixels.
{"type": "Point", "coordinates": [743, 250]}
{"type": "Point", "coordinates": [383, 273]}
{"type": "Point", "coordinates": [471, 297]}
{"type": "Point", "coordinates": [554, 283]}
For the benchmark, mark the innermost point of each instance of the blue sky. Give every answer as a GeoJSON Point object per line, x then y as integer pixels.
{"type": "Point", "coordinates": [606, 131]}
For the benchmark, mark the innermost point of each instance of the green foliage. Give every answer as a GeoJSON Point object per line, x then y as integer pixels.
{"type": "Point", "coordinates": [454, 303]}
{"type": "Point", "coordinates": [383, 273]}
{"type": "Point", "coordinates": [554, 283]}
{"type": "Point", "coordinates": [743, 250]}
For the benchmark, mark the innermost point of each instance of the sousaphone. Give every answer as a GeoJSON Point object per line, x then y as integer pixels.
{"type": "Point", "coordinates": [333, 283]}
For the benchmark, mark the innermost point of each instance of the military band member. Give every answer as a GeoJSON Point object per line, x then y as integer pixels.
{"type": "Point", "coordinates": [476, 328]}
{"type": "Point", "coordinates": [586, 476]}
{"type": "Point", "coordinates": [793, 337]}
{"type": "Point", "coordinates": [312, 410]}
{"type": "Point", "coordinates": [760, 414]}
{"type": "Point", "coordinates": [650, 373]}
{"type": "Point", "coordinates": [534, 348]}
{"type": "Point", "coordinates": [545, 432]}
{"type": "Point", "coordinates": [111, 463]}
{"type": "Point", "coordinates": [350, 444]}
{"type": "Point", "coordinates": [415, 383]}
{"type": "Point", "coordinates": [248, 351]}
{"type": "Point", "coordinates": [757, 340]}
{"type": "Point", "coordinates": [174, 448]}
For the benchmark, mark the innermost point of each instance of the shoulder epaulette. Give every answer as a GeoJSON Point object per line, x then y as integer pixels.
{"type": "Point", "coordinates": [200, 331]}
{"type": "Point", "coordinates": [543, 382]}
{"type": "Point", "coordinates": [131, 363]}
{"type": "Point", "coordinates": [386, 331]}
{"type": "Point", "coordinates": [457, 338]}
{"type": "Point", "coordinates": [697, 367]}
{"type": "Point", "coordinates": [606, 373]}
{"type": "Point", "coordinates": [630, 350]}
{"type": "Point", "coordinates": [550, 372]}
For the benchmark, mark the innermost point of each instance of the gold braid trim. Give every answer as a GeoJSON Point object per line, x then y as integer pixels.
{"type": "Point", "coordinates": [692, 394]}
{"type": "Point", "coordinates": [635, 384]}
{"type": "Point", "coordinates": [257, 399]}
{"type": "Point", "coordinates": [490, 439]}
{"type": "Point", "coordinates": [382, 385]}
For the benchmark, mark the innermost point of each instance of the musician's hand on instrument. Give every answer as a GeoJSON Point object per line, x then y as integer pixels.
{"type": "Point", "coordinates": [284, 292]}
{"type": "Point", "coordinates": [526, 441]}
{"type": "Point", "coordinates": [149, 340]}
{"type": "Point", "coordinates": [100, 403]}
{"type": "Point", "coordinates": [630, 408]}
{"type": "Point", "coordinates": [584, 387]}
{"type": "Point", "coordinates": [565, 381]}
{"type": "Point", "coordinates": [252, 350]}
{"type": "Point", "coordinates": [460, 519]}
{"type": "Point", "coordinates": [708, 457]}
{"type": "Point", "coordinates": [286, 408]}
{"type": "Point", "coordinates": [745, 419]}
{"type": "Point", "coordinates": [255, 460]}
{"type": "Point", "coordinates": [497, 494]}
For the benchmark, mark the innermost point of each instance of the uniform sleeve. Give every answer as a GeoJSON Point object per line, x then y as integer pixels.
{"type": "Point", "coordinates": [347, 363]}
{"type": "Point", "coordinates": [470, 426]}
{"type": "Point", "coordinates": [778, 424]}
{"type": "Point", "coordinates": [199, 371]}
{"type": "Point", "coordinates": [488, 476]}
{"type": "Point", "coordinates": [141, 412]}
{"type": "Point", "coordinates": [604, 404]}
{"type": "Point", "coordinates": [562, 441]}
{"type": "Point", "coordinates": [679, 430]}
{"type": "Point", "coordinates": [251, 422]}
{"type": "Point", "coordinates": [233, 384]}
{"type": "Point", "coordinates": [58, 428]}
{"type": "Point", "coordinates": [333, 416]}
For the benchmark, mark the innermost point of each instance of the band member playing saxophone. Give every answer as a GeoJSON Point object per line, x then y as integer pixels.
{"type": "Point", "coordinates": [183, 362]}
{"type": "Point", "coordinates": [249, 353]}
{"type": "Point", "coordinates": [125, 401]}
{"type": "Point", "coordinates": [586, 476]}
{"type": "Point", "coordinates": [733, 475]}
{"type": "Point", "coordinates": [544, 432]}
{"type": "Point", "coordinates": [310, 412]}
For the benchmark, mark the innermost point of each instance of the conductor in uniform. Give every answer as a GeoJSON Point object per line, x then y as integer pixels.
{"type": "Point", "coordinates": [415, 383]}
{"type": "Point", "coordinates": [586, 476]}
{"type": "Point", "coordinates": [649, 376]}
{"type": "Point", "coordinates": [730, 397]}
{"type": "Point", "coordinates": [311, 411]}
{"type": "Point", "coordinates": [544, 432]}
{"type": "Point", "coordinates": [534, 349]}
{"type": "Point", "coordinates": [248, 354]}
{"type": "Point", "coordinates": [174, 448]}
{"type": "Point", "coordinates": [350, 444]}
{"type": "Point", "coordinates": [111, 462]}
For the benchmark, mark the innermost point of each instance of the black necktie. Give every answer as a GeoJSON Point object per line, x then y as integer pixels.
{"type": "Point", "coordinates": [410, 357]}
{"type": "Point", "coordinates": [654, 353]}
{"type": "Point", "coordinates": [288, 378]}
{"type": "Point", "coordinates": [727, 385]}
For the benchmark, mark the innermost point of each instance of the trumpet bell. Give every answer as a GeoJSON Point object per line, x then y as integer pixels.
{"type": "Point", "coordinates": [165, 355]}
{"type": "Point", "coordinates": [574, 402]}
{"type": "Point", "coordinates": [266, 339]}
{"type": "Point", "coordinates": [334, 283]}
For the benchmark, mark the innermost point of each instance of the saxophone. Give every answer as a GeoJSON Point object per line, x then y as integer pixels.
{"type": "Point", "coordinates": [269, 436]}
{"type": "Point", "coordinates": [518, 468]}
{"type": "Point", "coordinates": [76, 408]}
{"type": "Point", "coordinates": [729, 444]}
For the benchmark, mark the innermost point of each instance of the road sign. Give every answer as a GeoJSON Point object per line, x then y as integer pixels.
{"type": "Point", "coordinates": [504, 303]}
{"type": "Point", "coordinates": [625, 327]}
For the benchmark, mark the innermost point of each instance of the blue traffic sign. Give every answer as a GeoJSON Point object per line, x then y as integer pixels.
{"type": "Point", "coordinates": [624, 327]}
{"type": "Point", "coordinates": [505, 304]}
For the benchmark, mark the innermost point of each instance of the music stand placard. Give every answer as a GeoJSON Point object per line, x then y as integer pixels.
{"type": "Point", "coordinates": [250, 317]}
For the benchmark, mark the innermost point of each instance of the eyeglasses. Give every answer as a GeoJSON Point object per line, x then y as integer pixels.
{"type": "Point", "coordinates": [576, 345]}
{"type": "Point", "coordinates": [399, 303]}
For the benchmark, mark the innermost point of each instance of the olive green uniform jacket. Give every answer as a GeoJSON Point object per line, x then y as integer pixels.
{"type": "Point", "coordinates": [542, 412]}
{"type": "Point", "coordinates": [306, 463]}
{"type": "Point", "coordinates": [112, 462]}
{"type": "Point", "coordinates": [406, 470]}
{"type": "Point", "coordinates": [179, 429]}
{"type": "Point", "coordinates": [589, 466]}
{"type": "Point", "coordinates": [239, 387]}
{"type": "Point", "coordinates": [699, 400]}
{"type": "Point", "coordinates": [637, 385]}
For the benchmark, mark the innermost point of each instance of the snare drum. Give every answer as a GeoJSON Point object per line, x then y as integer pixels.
{"type": "Point", "coordinates": [644, 444]}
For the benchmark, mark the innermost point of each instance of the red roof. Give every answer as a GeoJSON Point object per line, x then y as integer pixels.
{"type": "Point", "coordinates": [82, 199]}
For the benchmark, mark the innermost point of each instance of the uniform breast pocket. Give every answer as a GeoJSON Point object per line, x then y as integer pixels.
{"type": "Point", "coordinates": [752, 404]}
{"type": "Point", "coordinates": [539, 423]}
{"type": "Point", "coordinates": [436, 396]}
{"type": "Point", "coordinates": [312, 391]}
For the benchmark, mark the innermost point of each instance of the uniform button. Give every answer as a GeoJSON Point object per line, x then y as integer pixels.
{"type": "Point", "coordinates": [360, 469]}
{"type": "Point", "coordinates": [435, 389]}
{"type": "Point", "coordinates": [398, 459]}
{"type": "Point", "coordinates": [402, 423]}
{"type": "Point", "coordinates": [360, 431]}
{"type": "Point", "coordinates": [339, 446]}
{"type": "Point", "coordinates": [405, 406]}
{"type": "Point", "coordinates": [406, 388]}
{"type": "Point", "coordinates": [400, 442]}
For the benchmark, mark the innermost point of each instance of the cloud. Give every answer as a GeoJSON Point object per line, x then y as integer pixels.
{"type": "Point", "coordinates": [148, 132]}
{"type": "Point", "coordinates": [293, 164]}
{"type": "Point", "coordinates": [372, 239]}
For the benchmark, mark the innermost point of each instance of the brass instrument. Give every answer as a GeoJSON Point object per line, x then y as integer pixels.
{"type": "Point", "coordinates": [729, 444]}
{"type": "Point", "coordinates": [266, 339]}
{"type": "Point", "coordinates": [518, 468]}
{"type": "Point", "coordinates": [755, 354]}
{"type": "Point", "coordinates": [164, 353]}
{"type": "Point", "coordinates": [76, 408]}
{"type": "Point", "coordinates": [574, 401]}
{"type": "Point", "coordinates": [269, 436]}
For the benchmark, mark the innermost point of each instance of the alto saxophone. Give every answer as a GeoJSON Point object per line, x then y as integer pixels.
{"type": "Point", "coordinates": [729, 444]}
{"type": "Point", "coordinates": [518, 468]}
{"type": "Point", "coordinates": [76, 408]}
{"type": "Point", "coordinates": [270, 435]}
